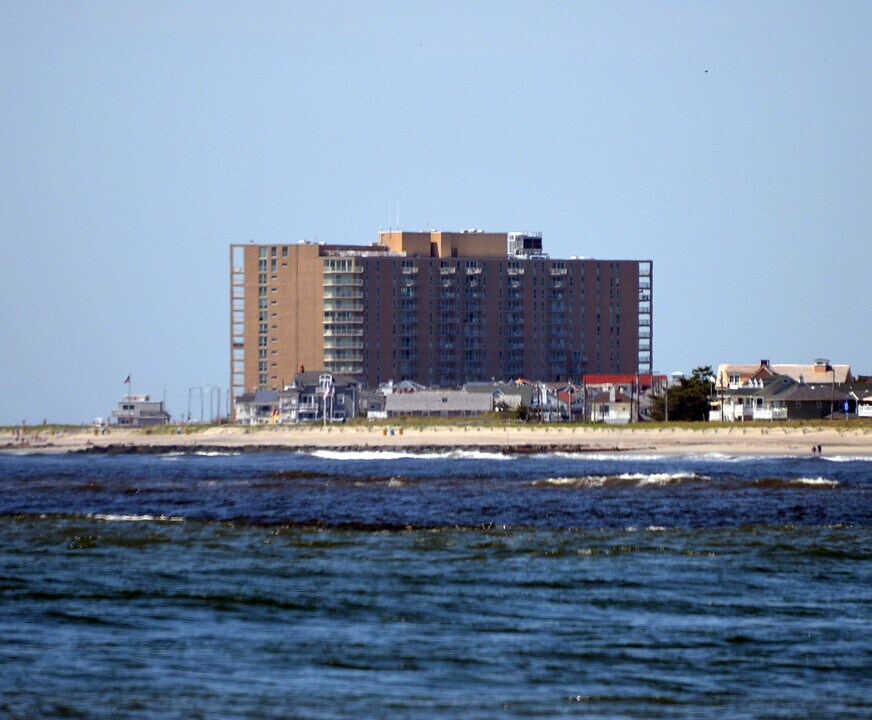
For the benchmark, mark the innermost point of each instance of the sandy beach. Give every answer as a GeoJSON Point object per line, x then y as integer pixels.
{"type": "Point", "coordinates": [839, 441]}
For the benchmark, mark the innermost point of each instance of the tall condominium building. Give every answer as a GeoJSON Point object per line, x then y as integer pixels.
{"type": "Point", "coordinates": [439, 308]}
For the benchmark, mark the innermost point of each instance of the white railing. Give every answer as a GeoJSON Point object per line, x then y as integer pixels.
{"type": "Point", "coordinates": [763, 413]}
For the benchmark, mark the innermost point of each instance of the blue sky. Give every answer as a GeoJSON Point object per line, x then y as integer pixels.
{"type": "Point", "coordinates": [139, 140]}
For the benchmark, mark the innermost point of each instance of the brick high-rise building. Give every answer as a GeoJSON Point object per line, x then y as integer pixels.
{"type": "Point", "coordinates": [435, 307]}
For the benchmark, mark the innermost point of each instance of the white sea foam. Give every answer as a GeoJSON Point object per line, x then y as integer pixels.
{"type": "Point", "coordinates": [847, 458]}
{"type": "Point", "coordinates": [581, 481]}
{"type": "Point", "coordinates": [817, 482]}
{"type": "Point", "coordinates": [478, 455]}
{"type": "Point", "coordinates": [372, 455]}
{"type": "Point", "coordinates": [403, 455]}
{"type": "Point", "coordinates": [135, 518]}
{"type": "Point", "coordinates": [201, 453]}
{"type": "Point", "coordinates": [661, 478]}
{"type": "Point", "coordinates": [636, 478]}
{"type": "Point", "coordinates": [607, 456]}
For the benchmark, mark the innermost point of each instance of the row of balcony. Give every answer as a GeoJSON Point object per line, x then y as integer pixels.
{"type": "Point", "coordinates": [342, 281]}
{"type": "Point", "coordinates": [342, 343]}
{"type": "Point", "coordinates": [355, 269]}
{"type": "Point", "coordinates": [332, 331]}
{"type": "Point", "coordinates": [342, 355]}
{"type": "Point", "coordinates": [342, 318]}
{"type": "Point", "coordinates": [342, 305]}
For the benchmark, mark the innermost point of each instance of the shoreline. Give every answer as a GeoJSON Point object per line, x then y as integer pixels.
{"type": "Point", "coordinates": [738, 441]}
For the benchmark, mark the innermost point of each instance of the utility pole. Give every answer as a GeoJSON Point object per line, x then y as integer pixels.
{"type": "Point", "coordinates": [666, 400]}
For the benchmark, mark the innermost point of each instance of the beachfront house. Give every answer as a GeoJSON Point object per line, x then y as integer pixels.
{"type": "Point", "coordinates": [777, 397]}
{"type": "Point", "coordinates": [637, 388]}
{"type": "Point", "coordinates": [372, 404]}
{"type": "Point", "coordinates": [731, 376]}
{"type": "Point", "coordinates": [140, 411]}
{"type": "Point", "coordinates": [612, 407]}
{"type": "Point", "coordinates": [311, 396]}
{"type": "Point", "coordinates": [332, 394]}
{"type": "Point", "coordinates": [438, 403]}
{"type": "Point", "coordinates": [504, 396]}
{"type": "Point", "coordinates": [260, 407]}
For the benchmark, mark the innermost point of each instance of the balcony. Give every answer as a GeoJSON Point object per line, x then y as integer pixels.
{"type": "Point", "coordinates": [342, 355]}
{"type": "Point", "coordinates": [339, 342]}
{"type": "Point", "coordinates": [356, 269]}
{"type": "Point", "coordinates": [344, 305]}
{"type": "Point", "coordinates": [344, 367]}
{"type": "Point", "coordinates": [341, 281]}
{"type": "Point", "coordinates": [330, 332]}
{"type": "Point", "coordinates": [342, 294]}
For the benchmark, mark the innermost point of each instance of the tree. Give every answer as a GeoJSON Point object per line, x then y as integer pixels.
{"type": "Point", "coordinates": [688, 398]}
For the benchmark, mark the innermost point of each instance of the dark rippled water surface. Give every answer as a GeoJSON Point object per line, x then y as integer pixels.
{"type": "Point", "coordinates": [358, 585]}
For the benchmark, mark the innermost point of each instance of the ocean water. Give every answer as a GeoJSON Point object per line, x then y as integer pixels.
{"type": "Point", "coordinates": [448, 585]}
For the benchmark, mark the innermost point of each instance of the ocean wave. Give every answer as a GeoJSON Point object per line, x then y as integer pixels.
{"type": "Point", "coordinates": [847, 458]}
{"type": "Point", "coordinates": [406, 455]}
{"type": "Point", "coordinates": [635, 479]}
{"type": "Point", "coordinates": [372, 455]}
{"type": "Point", "coordinates": [601, 455]}
{"type": "Point", "coordinates": [199, 453]}
{"type": "Point", "coordinates": [818, 482]}
{"type": "Point", "coordinates": [781, 483]}
{"type": "Point", "coordinates": [478, 455]}
{"type": "Point", "coordinates": [106, 517]}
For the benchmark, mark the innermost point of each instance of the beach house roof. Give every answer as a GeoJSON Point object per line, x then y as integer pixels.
{"type": "Point", "coordinates": [735, 375]}
{"type": "Point", "coordinates": [438, 402]}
